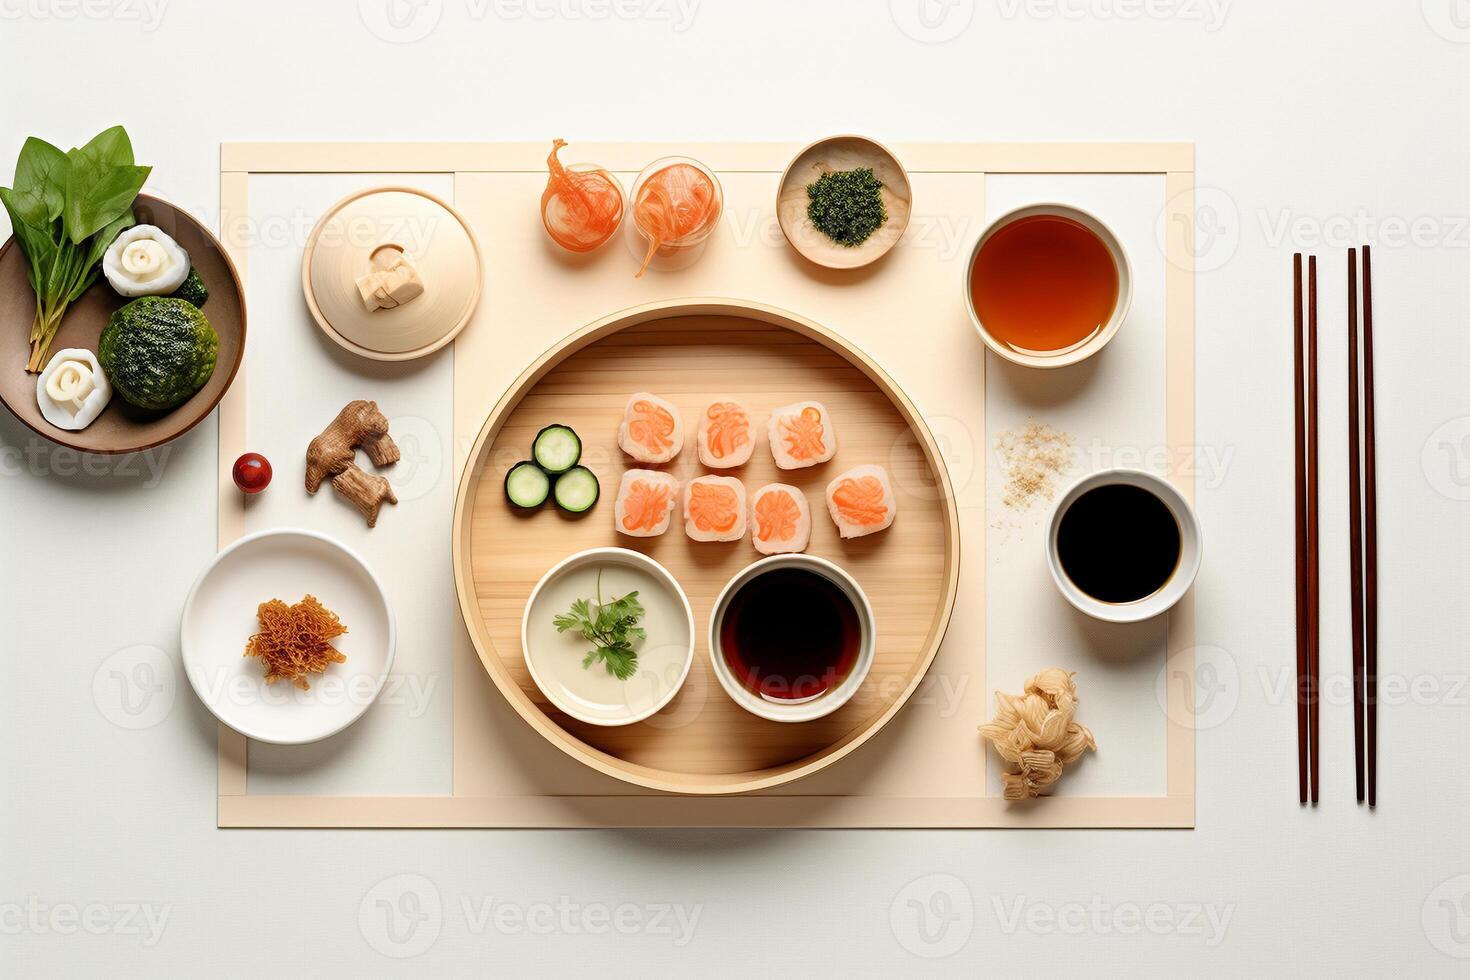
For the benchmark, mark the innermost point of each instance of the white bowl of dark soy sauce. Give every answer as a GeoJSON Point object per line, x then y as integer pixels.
{"type": "Point", "coordinates": [1123, 545]}
{"type": "Point", "coordinates": [792, 637]}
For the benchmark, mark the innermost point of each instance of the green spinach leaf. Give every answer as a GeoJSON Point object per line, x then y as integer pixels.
{"type": "Point", "coordinates": [40, 182]}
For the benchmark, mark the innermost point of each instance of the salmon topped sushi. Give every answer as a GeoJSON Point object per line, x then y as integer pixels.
{"type": "Point", "coordinates": [801, 435]}
{"type": "Point", "coordinates": [780, 519]}
{"type": "Point", "coordinates": [646, 500]}
{"type": "Point", "coordinates": [651, 431]}
{"type": "Point", "coordinates": [861, 501]}
{"type": "Point", "coordinates": [726, 436]}
{"type": "Point", "coordinates": [714, 508]}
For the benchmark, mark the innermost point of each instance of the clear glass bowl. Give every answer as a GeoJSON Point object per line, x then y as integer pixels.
{"type": "Point", "coordinates": [612, 178]}
{"type": "Point", "coordinates": [698, 234]}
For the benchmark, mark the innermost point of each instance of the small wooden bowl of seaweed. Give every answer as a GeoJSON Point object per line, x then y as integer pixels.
{"type": "Point", "coordinates": [844, 201]}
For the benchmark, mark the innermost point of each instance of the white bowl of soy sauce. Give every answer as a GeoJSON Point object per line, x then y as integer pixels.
{"type": "Point", "coordinates": [1123, 545]}
{"type": "Point", "coordinates": [792, 638]}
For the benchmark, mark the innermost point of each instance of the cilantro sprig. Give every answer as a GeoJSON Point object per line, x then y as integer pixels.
{"type": "Point", "coordinates": [611, 627]}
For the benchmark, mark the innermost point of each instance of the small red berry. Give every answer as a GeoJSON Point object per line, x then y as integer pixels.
{"type": "Point", "coordinates": [252, 473]}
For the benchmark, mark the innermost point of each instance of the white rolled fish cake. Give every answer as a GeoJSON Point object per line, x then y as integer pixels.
{"type": "Point", "coordinates": [780, 519]}
{"type": "Point", "coordinates": [714, 508]}
{"type": "Point", "coordinates": [801, 435]}
{"type": "Point", "coordinates": [861, 501]}
{"type": "Point", "coordinates": [645, 504]}
{"type": "Point", "coordinates": [725, 436]}
{"type": "Point", "coordinates": [651, 430]}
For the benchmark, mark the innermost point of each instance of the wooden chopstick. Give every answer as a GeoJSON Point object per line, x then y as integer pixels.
{"type": "Point", "coordinates": [1355, 518]}
{"type": "Point", "coordinates": [1314, 646]}
{"type": "Point", "coordinates": [1370, 537]}
{"type": "Point", "coordinates": [1301, 529]}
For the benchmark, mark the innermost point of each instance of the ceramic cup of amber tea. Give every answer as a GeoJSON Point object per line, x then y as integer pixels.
{"type": "Point", "coordinates": [792, 637]}
{"type": "Point", "coordinates": [1123, 545]}
{"type": "Point", "coordinates": [1047, 285]}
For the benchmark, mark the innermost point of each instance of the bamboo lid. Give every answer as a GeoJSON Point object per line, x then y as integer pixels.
{"type": "Point", "coordinates": [391, 273]}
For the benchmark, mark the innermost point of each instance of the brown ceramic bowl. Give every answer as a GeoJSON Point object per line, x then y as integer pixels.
{"type": "Point", "coordinates": [120, 428]}
{"type": "Point", "coordinates": [843, 153]}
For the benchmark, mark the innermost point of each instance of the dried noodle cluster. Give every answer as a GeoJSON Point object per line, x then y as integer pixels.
{"type": "Point", "coordinates": [295, 640]}
{"type": "Point", "coordinates": [1035, 732]}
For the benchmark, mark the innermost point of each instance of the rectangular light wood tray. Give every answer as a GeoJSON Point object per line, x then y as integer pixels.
{"type": "Point", "coordinates": [927, 768]}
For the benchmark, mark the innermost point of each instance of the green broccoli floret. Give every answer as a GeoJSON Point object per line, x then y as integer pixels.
{"type": "Point", "coordinates": [193, 289]}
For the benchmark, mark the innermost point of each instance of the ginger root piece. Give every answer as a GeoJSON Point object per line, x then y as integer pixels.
{"type": "Point", "coordinates": [366, 491]}
{"type": "Point", "coordinates": [333, 451]}
{"type": "Point", "coordinates": [1035, 733]}
{"type": "Point", "coordinates": [383, 451]}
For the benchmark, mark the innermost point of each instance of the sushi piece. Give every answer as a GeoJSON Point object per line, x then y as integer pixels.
{"type": "Point", "coordinates": [780, 519]}
{"type": "Point", "coordinates": [652, 431]}
{"type": "Point", "coordinates": [861, 501]}
{"type": "Point", "coordinates": [801, 435]}
{"type": "Point", "coordinates": [646, 500]}
{"type": "Point", "coordinates": [725, 437]}
{"type": "Point", "coordinates": [714, 508]}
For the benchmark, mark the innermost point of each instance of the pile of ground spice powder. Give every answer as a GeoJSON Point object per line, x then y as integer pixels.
{"type": "Point", "coordinates": [1033, 459]}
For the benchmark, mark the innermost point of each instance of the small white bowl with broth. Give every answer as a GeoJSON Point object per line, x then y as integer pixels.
{"type": "Point", "coordinates": [555, 658]}
{"type": "Point", "coordinates": [1123, 545]}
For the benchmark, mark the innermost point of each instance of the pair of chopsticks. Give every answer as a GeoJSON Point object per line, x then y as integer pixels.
{"type": "Point", "coordinates": [1307, 649]}
{"type": "Point", "coordinates": [1363, 531]}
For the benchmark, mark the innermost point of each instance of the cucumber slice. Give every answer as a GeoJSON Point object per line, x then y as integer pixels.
{"type": "Point", "coordinates": [556, 449]}
{"type": "Point", "coordinates": [527, 485]}
{"type": "Point", "coordinates": [577, 490]}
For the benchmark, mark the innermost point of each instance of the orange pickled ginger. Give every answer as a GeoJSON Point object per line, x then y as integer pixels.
{"type": "Point", "coordinates": [580, 208]}
{"type": "Point", "coordinates": [676, 203]}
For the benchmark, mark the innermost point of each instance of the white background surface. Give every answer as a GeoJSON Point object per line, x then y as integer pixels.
{"type": "Point", "coordinates": [1318, 125]}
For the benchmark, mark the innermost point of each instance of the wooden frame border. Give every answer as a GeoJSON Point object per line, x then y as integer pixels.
{"type": "Point", "coordinates": [1176, 809]}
